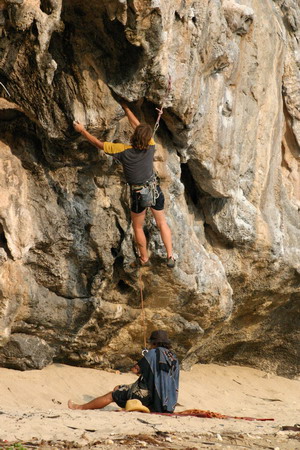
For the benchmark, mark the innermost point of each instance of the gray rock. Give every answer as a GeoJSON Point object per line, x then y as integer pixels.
{"type": "Point", "coordinates": [25, 352]}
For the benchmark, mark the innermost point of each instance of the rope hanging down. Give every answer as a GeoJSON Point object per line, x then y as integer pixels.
{"type": "Point", "coordinates": [5, 89]}
{"type": "Point", "coordinates": [140, 282]}
{"type": "Point", "coordinates": [143, 309]}
{"type": "Point", "coordinates": [160, 110]}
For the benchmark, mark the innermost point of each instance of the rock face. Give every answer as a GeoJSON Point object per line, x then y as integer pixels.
{"type": "Point", "coordinates": [228, 154]}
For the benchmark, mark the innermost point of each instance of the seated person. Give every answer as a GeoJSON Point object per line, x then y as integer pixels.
{"type": "Point", "coordinates": [157, 385]}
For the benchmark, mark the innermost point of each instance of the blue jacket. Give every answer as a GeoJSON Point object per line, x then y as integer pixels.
{"type": "Point", "coordinates": [160, 371]}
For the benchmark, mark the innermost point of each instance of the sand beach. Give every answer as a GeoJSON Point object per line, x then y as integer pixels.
{"type": "Point", "coordinates": [34, 413]}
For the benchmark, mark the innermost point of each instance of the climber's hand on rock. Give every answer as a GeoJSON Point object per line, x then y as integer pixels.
{"type": "Point", "coordinates": [78, 126]}
{"type": "Point", "coordinates": [123, 104]}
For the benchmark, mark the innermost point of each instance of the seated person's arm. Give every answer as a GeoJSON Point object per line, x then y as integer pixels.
{"type": "Point", "coordinates": [92, 139]}
{"type": "Point", "coordinates": [133, 120]}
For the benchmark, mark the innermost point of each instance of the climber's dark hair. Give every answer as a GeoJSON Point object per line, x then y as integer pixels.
{"type": "Point", "coordinates": [141, 136]}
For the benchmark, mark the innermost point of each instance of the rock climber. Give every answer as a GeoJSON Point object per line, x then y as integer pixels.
{"type": "Point", "coordinates": [137, 162]}
{"type": "Point", "coordinates": [157, 385]}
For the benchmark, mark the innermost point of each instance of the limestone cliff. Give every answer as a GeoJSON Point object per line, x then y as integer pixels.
{"type": "Point", "coordinates": [228, 154]}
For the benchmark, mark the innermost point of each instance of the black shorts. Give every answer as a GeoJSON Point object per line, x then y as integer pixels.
{"type": "Point", "coordinates": [137, 208]}
{"type": "Point", "coordinates": [137, 390]}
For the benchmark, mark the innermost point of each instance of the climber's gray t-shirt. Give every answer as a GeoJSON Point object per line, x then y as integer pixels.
{"type": "Point", "coordinates": [137, 164]}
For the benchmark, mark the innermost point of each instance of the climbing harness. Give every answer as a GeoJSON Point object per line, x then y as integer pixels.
{"type": "Point", "coordinates": [160, 110]}
{"type": "Point", "coordinates": [147, 192]}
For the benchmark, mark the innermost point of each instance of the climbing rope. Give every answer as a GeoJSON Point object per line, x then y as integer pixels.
{"type": "Point", "coordinates": [160, 110]}
{"type": "Point", "coordinates": [140, 282]}
{"type": "Point", "coordinates": [5, 89]}
{"type": "Point", "coordinates": [143, 309]}
{"type": "Point", "coordinates": [156, 126]}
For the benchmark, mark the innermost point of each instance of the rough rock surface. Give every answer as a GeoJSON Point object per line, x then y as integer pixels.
{"type": "Point", "coordinates": [228, 154]}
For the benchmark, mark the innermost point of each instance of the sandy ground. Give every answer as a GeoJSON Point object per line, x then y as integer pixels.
{"type": "Point", "coordinates": [33, 411]}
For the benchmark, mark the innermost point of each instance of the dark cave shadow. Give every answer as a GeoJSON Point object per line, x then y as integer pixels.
{"type": "Point", "coordinates": [192, 193]}
{"type": "Point", "coordinates": [113, 55]}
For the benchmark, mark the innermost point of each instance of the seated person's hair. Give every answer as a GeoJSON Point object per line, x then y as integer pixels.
{"type": "Point", "coordinates": [167, 345]}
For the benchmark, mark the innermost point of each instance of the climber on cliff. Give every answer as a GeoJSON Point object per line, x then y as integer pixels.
{"type": "Point", "coordinates": [137, 162]}
{"type": "Point", "coordinates": [157, 385]}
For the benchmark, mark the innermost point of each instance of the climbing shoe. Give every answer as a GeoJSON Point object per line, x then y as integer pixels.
{"type": "Point", "coordinates": [171, 262]}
